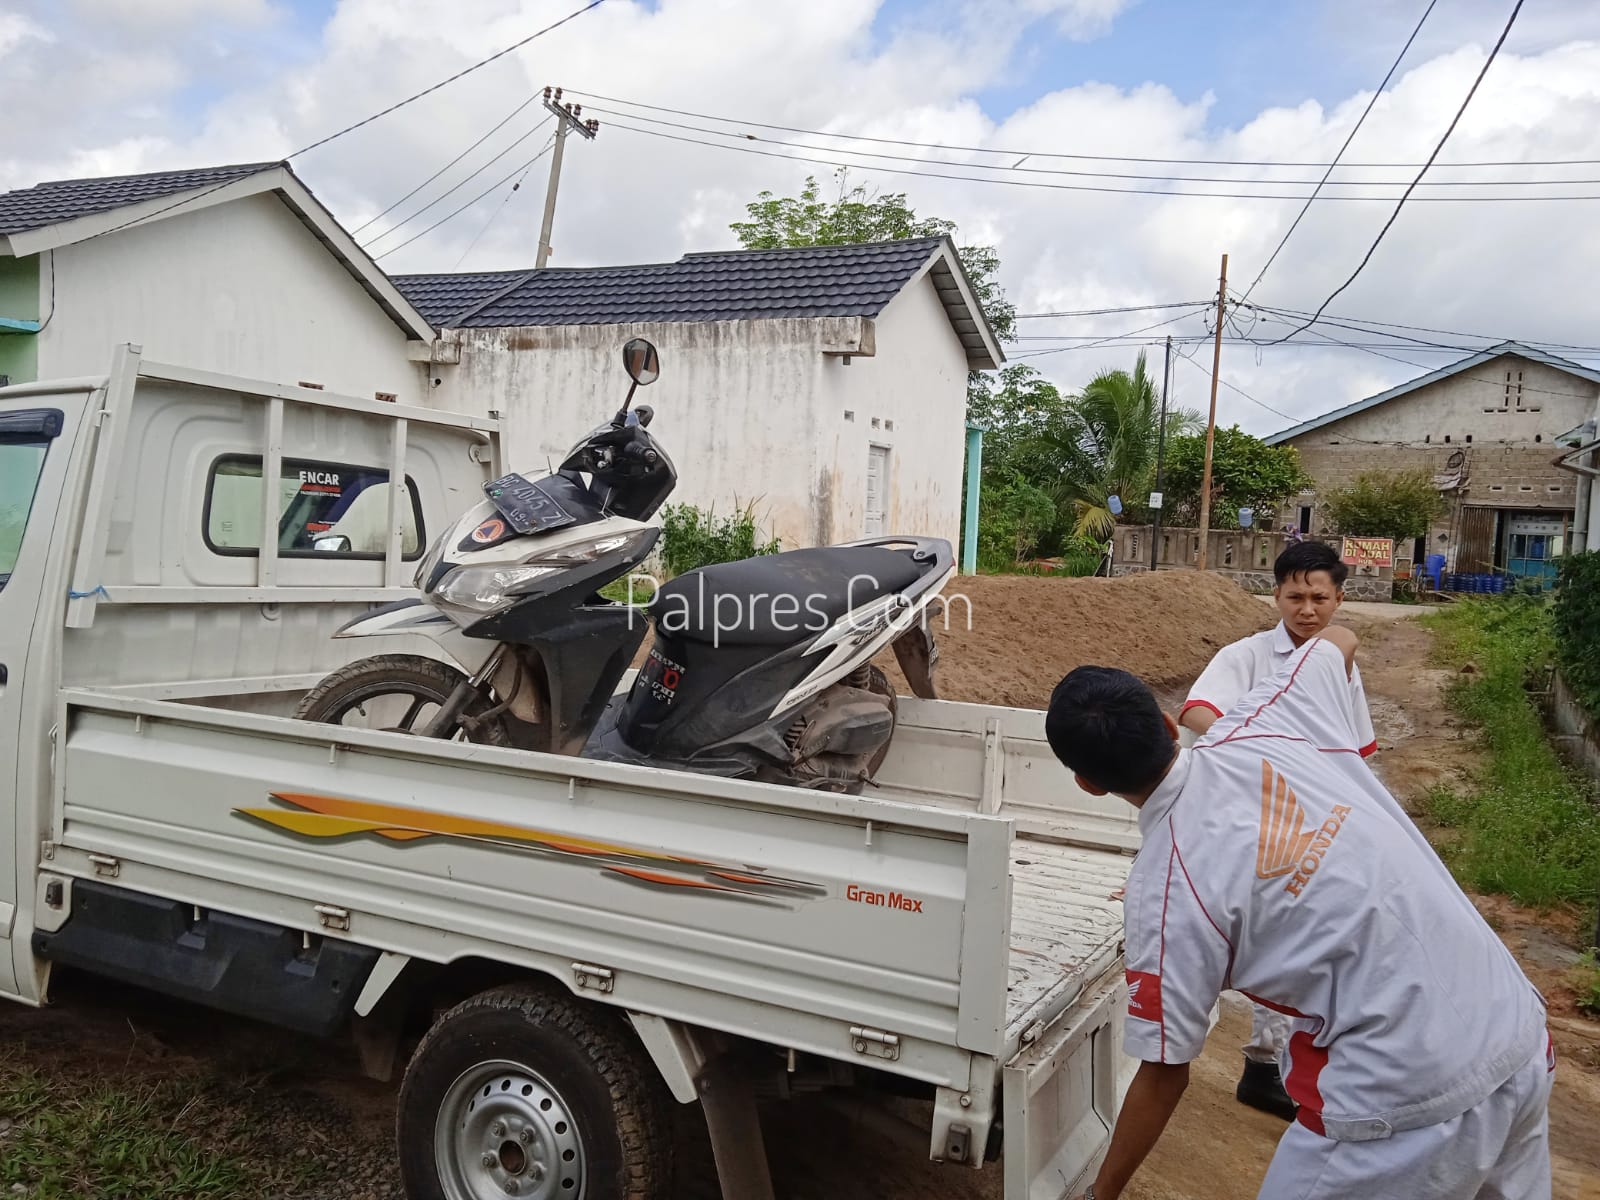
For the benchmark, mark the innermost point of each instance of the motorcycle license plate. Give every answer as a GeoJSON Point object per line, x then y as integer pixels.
{"type": "Point", "coordinates": [525, 505]}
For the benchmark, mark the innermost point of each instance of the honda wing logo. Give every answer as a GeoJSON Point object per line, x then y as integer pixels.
{"type": "Point", "coordinates": [1286, 846]}
{"type": "Point", "coordinates": [1144, 995]}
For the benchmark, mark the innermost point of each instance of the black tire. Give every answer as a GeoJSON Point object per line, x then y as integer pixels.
{"type": "Point", "coordinates": [395, 674]}
{"type": "Point", "coordinates": [541, 1061]}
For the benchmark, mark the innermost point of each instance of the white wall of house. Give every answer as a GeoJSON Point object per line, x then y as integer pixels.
{"type": "Point", "coordinates": [241, 287]}
{"type": "Point", "coordinates": [911, 398]}
{"type": "Point", "coordinates": [751, 412]}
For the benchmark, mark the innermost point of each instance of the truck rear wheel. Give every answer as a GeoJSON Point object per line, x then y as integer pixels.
{"type": "Point", "coordinates": [528, 1093]}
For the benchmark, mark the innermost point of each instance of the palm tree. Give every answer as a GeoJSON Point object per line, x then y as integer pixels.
{"type": "Point", "coordinates": [1112, 447]}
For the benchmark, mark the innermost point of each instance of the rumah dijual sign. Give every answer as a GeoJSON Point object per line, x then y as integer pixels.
{"type": "Point", "coordinates": [1367, 552]}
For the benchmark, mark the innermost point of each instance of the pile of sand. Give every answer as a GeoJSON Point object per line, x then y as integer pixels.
{"type": "Point", "coordinates": [1025, 632]}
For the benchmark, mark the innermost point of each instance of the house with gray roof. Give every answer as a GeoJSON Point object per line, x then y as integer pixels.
{"type": "Point", "coordinates": [236, 269]}
{"type": "Point", "coordinates": [823, 386]}
{"type": "Point", "coordinates": [1489, 429]}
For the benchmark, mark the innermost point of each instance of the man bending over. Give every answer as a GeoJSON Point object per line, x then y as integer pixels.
{"type": "Point", "coordinates": [1274, 863]}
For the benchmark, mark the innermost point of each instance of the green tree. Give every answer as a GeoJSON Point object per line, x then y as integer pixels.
{"type": "Point", "coordinates": [1106, 446]}
{"type": "Point", "coordinates": [1015, 515]}
{"type": "Point", "coordinates": [1397, 504]}
{"type": "Point", "coordinates": [1245, 473]}
{"type": "Point", "coordinates": [857, 216]}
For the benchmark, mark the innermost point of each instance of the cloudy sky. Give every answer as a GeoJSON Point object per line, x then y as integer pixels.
{"type": "Point", "coordinates": [114, 86]}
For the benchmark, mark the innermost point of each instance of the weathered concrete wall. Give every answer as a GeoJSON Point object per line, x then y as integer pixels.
{"type": "Point", "coordinates": [242, 288]}
{"type": "Point", "coordinates": [764, 412]}
{"type": "Point", "coordinates": [1576, 734]}
{"type": "Point", "coordinates": [1242, 556]}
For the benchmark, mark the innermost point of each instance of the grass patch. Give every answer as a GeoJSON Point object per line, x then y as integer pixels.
{"type": "Point", "coordinates": [89, 1138]}
{"type": "Point", "coordinates": [639, 590]}
{"type": "Point", "coordinates": [1529, 829]}
{"type": "Point", "coordinates": [1589, 984]}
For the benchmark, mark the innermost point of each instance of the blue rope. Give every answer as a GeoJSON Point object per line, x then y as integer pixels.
{"type": "Point", "coordinates": [98, 590]}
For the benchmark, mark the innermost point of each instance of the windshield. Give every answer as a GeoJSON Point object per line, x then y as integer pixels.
{"type": "Point", "coordinates": [21, 464]}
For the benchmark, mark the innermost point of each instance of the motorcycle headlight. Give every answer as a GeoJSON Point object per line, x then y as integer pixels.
{"type": "Point", "coordinates": [486, 589]}
{"type": "Point", "coordinates": [592, 551]}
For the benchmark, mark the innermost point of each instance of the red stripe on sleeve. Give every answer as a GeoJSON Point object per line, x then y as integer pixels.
{"type": "Point", "coordinates": [1369, 749]}
{"type": "Point", "coordinates": [1198, 704]}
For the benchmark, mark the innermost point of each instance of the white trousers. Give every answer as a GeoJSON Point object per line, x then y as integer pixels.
{"type": "Point", "coordinates": [1269, 1032]}
{"type": "Point", "coordinates": [1498, 1150]}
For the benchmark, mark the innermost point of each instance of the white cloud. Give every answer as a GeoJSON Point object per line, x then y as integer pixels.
{"type": "Point", "coordinates": [15, 29]}
{"type": "Point", "coordinates": [1514, 269]}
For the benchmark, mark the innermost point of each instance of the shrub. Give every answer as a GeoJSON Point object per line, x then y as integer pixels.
{"type": "Point", "coordinates": [691, 538]}
{"type": "Point", "coordinates": [1577, 627]}
{"type": "Point", "coordinates": [1392, 504]}
{"type": "Point", "coordinates": [1013, 516]}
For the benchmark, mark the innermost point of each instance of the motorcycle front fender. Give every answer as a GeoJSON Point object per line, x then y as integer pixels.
{"type": "Point", "coordinates": [411, 619]}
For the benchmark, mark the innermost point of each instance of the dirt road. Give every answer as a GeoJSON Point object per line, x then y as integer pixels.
{"type": "Point", "coordinates": [309, 1111]}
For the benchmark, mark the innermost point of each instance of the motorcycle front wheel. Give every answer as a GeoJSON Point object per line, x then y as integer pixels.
{"type": "Point", "coordinates": [399, 693]}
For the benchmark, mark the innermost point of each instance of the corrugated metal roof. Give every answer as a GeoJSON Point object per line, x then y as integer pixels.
{"type": "Point", "coordinates": [62, 200]}
{"type": "Point", "coordinates": [1466, 364]}
{"type": "Point", "coordinates": [736, 285]}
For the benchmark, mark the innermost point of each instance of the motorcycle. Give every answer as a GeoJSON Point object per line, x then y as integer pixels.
{"type": "Point", "coordinates": [760, 668]}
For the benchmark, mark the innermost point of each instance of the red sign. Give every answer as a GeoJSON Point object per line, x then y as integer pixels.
{"type": "Point", "coordinates": [1368, 552]}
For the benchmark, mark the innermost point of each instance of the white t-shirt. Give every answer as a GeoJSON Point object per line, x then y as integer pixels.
{"type": "Point", "coordinates": [1275, 864]}
{"type": "Point", "coordinates": [1241, 666]}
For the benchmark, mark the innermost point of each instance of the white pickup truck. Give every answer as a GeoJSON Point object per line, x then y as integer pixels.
{"type": "Point", "coordinates": [558, 948]}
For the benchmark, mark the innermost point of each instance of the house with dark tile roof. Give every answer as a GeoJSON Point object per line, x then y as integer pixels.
{"type": "Point", "coordinates": [237, 269]}
{"type": "Point", "coordinates": [823, 386]}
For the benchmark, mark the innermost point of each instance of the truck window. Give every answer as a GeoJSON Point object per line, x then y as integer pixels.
{"type": "Point", "coordinates": [323, 507]}
{"type": "Point", "coordinates": [21, 464]}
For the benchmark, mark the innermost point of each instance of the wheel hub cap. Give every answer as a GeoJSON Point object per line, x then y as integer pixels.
{"type": "Point", "coordinates": [503, 1131]}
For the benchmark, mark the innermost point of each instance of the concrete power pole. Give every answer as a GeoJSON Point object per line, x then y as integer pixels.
{"type": "Point", "coordinates": [1211, 421]}
{"type": "Point", "coordinates": [567, 117]}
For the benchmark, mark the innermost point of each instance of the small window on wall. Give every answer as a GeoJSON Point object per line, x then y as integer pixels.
{"type": "Point", "coordinates": [343, 506]}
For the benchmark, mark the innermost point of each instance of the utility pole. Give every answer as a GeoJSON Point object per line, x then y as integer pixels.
{"type": "Point", "coordinates": [568, 116]}
{"type": "Point", "coordinates": [1161, 450]}
{"type": "Point", "coordinates": [1211, 421]}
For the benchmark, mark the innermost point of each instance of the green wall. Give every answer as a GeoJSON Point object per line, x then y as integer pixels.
{"type": "Point", "coordinates": [19, 300]}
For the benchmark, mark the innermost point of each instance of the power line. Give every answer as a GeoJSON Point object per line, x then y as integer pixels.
{"type": "Point", "coordinates": [1114, 337]}
{"type": "Point", "coordinates": [1167, 177]}
{"type": "Point", "coordinates": [473, 174]}
{"type": "Point", "coordinates": [1393, 67]}
{"type": "Point", "coordinates": [1072, 187]}
{"type": "Point", "coordinates": [444, 168]}
{"type": "Point", "coordinates": [483, 62]}
{"type": "Point", "coordinates": [1472, 91]}
{"type": "Point", "coordinates": [1102, 312]}
{"type": "Point", "coordinates": [1218, 162]}
{"type": "Point", "coordinates": [464, 207]}
{"type": "Point", "coordinates": [1366, 325]}
{"type": "Point", "coordinates": [495, 214]}
{"type": "Point", "coordinates": [1236, 388]}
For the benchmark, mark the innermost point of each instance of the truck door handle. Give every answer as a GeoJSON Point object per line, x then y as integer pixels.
{"type": "Point", "coordinates": [4, 675]}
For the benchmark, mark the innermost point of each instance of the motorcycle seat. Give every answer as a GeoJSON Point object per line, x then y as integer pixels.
{"type": "Point", "coordinates": [778, 599]}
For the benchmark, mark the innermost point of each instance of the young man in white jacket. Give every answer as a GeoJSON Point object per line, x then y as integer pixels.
{"type": "Point", "coordinates": [1310, 588]}
{"type": "Point", "coordinates": [1273, 862]}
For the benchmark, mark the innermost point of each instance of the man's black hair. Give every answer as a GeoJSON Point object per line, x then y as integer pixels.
{"type": "Point", "coordinates": [1105, 725]}
{"type": "Point", "coordinates": [1302, 558]}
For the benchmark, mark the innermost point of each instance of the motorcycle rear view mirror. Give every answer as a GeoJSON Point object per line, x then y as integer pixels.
{"type": "Point", "coordinates": [643, 366]}
{"type": "Point", "coordinates": [641, 361]}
